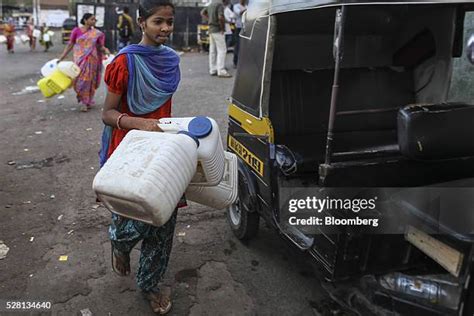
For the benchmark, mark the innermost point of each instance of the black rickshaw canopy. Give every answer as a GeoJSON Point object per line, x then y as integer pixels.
{"type": "Point", "coordinates": [281, 6]}
{"type": "Point", "coordinates": [259, 41]}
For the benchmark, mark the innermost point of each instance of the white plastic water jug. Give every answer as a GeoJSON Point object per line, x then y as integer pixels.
{"type": "Point", "coordinates": [46, 37]}
{"type": "Point", "coordinates": [108, 60]}
{"type": "Point", "coordinates": [146, 175]}
{"type": "Point", "coordinates": [36, 33]}
{"type": "Point", "coordinates": [49, 67]}
{"type": "Point", "coordinates": [210, 168]}
{"type": "Point", "coordinates": [221, 195]}
{"type": "Point", "coordinates": [69, 68]}
{"type": "Point", "coordinates": [24, 38]}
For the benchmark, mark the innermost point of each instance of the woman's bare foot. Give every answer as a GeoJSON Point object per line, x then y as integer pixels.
{"type": "Point", "coordinates": [160, 303]}
{"type": "Point", "coordinates": [120, 262]}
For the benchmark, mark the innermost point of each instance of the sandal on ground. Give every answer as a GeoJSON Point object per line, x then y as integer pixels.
{"type": "Point", "coordinates": [160, 304]}
{"type": "Point", "coordinates": [120, 262]}
{"type": "Point", "coordinates": [84, 108]}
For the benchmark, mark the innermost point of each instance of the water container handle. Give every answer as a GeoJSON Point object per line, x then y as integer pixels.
{"type": "Point", "coordinates": [190, 135]}
{"type": "Point", "coordinates": [169, 128]}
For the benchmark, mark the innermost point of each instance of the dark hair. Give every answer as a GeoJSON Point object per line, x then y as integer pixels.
{"type": "Point", "coordinates": [149, 7]}
{"type": "Point", "coordinates": [85, 17]}
{"type": "Point", "coordinates": [125, 10]}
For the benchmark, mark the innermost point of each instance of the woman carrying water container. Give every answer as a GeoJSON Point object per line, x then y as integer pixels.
{"type": "Point", "coordinates": [141, 81]}
{"type": "Point", "coordinates": [30, 31]}
{"type": "Point", "coordinates": [88, 44]}
{"type": "Point", "coordinates": [45, 38]}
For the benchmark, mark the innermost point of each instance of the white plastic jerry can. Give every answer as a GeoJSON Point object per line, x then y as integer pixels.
{"type": "Point", "coordinates": [221, 195]}
{"type": "Point", "coordinates": [24, 38]}
{"type": "Point", "coordinates": [210, 168]}
{"type": "Point", "coordinates": [108, 60]}
{"type": "Point", "coordinates": [146, 175]}
{"type": "Point", "coordinates": [69, 68]}
{"type": "Point", "coordinates": [49, 67]}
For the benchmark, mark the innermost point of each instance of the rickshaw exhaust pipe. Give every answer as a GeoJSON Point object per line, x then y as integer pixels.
{"type": "Point", "coordinates": [338, 54]}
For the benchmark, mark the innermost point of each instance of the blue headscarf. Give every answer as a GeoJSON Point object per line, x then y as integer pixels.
{"type": "Point", "coordinates": [153, 78]}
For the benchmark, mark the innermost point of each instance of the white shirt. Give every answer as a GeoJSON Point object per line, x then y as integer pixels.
{"type": "Point", "coordinates": [229, 18]}
{"type": "Point", "coordinates": [238, 8]}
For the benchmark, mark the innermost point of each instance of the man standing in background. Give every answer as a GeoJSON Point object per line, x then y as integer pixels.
{"type": "Point", "coordinates": [239, 10]}
{"type": "Point", "coordinates": [214, 12]}
{"type": "Point", "coordinates": [126, 28]}
{"type": "Point", "coordinates": [229, 25]}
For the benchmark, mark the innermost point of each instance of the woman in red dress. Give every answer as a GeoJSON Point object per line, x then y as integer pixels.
{"type": "Point", "coordinates": [141, 81]}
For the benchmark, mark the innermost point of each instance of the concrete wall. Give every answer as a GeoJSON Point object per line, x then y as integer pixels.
{"type": "Point", "coordinates": [54, 18]}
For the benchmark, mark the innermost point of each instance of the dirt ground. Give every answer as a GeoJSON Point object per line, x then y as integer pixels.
{"type": "Point", "coordinates": [48, 159]}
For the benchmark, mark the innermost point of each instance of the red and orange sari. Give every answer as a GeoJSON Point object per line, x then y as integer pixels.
{"type": "Point", "coordinates": [9, 32]}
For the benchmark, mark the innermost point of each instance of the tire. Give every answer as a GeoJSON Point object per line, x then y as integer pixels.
{"type": "Point", "coordinates": [244, 224]}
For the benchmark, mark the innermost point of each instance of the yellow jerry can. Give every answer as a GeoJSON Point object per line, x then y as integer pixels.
{"type": "Point", "coordinates": [44, 85]}
{"type": "Point", "coordinates": [60, 80]}
{"type": "Point", "coordinates": [53, 84]}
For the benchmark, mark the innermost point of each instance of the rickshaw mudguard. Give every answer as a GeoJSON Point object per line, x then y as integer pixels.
{"type": "Point", "coordinates": [252, 188]}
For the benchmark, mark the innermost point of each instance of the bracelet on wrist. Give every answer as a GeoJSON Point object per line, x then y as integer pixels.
{"type": "Point", "coordinates": [118, 120]}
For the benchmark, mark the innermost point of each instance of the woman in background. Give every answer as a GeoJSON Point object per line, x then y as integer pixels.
{"type": "Point", "coordinates": [9, 32]}
{"type": "Point", "coordinates": [30, 27]}
{"type": "Point", "coordinates": [45, 38]}
{"type": "Point", "coordinates": [88, 44]}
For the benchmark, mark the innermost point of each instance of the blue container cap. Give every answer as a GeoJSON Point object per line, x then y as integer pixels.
{"type": "Point", "coordinates": [200, 126]}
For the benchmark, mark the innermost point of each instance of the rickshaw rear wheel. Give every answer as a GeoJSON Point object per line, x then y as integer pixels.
{"type": "Point", "coordinates": [243, 222]}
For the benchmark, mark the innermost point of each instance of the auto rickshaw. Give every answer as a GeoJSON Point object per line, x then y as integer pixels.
{"type": "Point", "coordinates": [68, 25]}
{"type": "Point", "coordinates": [203, 36]}
{"type": "Point", "coordinates": [348, 98]}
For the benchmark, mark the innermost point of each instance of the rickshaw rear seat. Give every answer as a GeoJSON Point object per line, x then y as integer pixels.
{"type": "Point", "coordinates": [436, 131]}
{"type": "Point", "coordinates": [397, 172]}
{"type": "Point", "coordinates": [374, 166]}
{"type": "Point", "coordinates": [309, 150]}
{"type": "Point", "coordinates": [366, 121]}
{"type": "Point", "coordinates": [300, 100]}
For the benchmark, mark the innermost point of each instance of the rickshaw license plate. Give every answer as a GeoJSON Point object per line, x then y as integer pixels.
{"type": "Point", "coordinates": [249, 158]}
